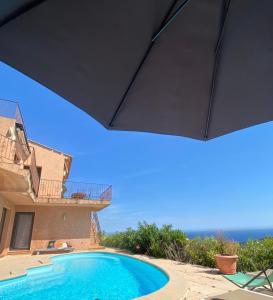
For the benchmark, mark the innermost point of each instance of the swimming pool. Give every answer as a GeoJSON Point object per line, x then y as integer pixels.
{"type": "Point", "coordinates": [86, 276]}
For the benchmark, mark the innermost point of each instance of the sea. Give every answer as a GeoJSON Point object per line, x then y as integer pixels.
{"type": "Point", "coordinates": [239, 235]}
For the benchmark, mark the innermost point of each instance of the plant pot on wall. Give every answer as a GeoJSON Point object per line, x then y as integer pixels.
{"type": "Point", "coordinates": [78, 195]}
{"type": "Point", "coordinates": [226, 264]}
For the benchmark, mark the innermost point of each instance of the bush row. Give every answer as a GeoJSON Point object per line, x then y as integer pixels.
{"type": "Point", "coordinates": [166, 242]}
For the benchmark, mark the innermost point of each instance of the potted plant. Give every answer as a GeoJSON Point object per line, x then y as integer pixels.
{"type": "Point", "coordinates": [78, 195]}
{"type": "Point", "coordinates": [226, 260]}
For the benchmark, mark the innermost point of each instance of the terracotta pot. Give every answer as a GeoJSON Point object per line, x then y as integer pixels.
{"type": "Point", "coordinates": [226, 263]}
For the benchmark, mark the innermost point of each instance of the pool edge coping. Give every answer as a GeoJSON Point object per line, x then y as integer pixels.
{"type": "Point", "coordinates": [175, 289]}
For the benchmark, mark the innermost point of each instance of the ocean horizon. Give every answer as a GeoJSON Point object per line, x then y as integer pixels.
{"type": "Point", "coordinates": [237, 235]}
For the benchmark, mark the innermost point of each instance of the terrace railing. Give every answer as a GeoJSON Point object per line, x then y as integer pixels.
{"type": "Point", "coordinates": [74, 190]}
{"type": "Point", "coordinates": [11, 109]}
{"type": "Point", "coordinates": [18, 145]}
{"type": "Point", "coordinates": [51, 189]}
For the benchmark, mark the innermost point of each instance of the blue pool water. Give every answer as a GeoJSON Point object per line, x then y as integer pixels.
{"type": "Point", "coordinates": [86, 276]}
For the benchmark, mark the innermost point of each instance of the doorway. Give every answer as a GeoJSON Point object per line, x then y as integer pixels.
{"type": "Point", "coordinates": [22, 231]}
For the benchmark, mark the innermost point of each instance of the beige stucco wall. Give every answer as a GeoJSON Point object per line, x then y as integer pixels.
{"type": "Point", "coordinates": [52, 162]}
{"type": "Point", "coordinates": [5, 124]}
{"type": "Point", "coordinates": [64, 224]}
{"type": "Point", "coordinates": [7, 232]}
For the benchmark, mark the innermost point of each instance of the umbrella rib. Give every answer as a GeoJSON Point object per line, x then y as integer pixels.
{"type": "Point", "coordinates": [122, 101]}
{"type": "Point", "coordinates": [20, 11]}
{"type": "Point", "coordinates": [170, 19]}
{"type": "Point", "coordinates": [217, 51]}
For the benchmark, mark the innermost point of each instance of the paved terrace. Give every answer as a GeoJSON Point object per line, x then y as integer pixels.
{"type": "Point", "coordinates": [201, 282]}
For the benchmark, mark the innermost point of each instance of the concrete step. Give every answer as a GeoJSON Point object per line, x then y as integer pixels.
{"type": "Point", "coordinates": [18, 252]}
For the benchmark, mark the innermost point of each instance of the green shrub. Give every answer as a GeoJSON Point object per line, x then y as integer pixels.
{"type": "Point", "coordinates": [202, 251]}
{"type": "Point", "coordinates": [167, 242]}
{"type": "Point", "coordinates": [121, 240]}
{"type": "Point", "coordinates": [177, 251]}
{"type": "Point", "coordinates": [147, 239]}
{"type": "Point", "coordinates": [255, 255]}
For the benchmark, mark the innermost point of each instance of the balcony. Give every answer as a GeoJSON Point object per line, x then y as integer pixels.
{"type": "Point", "coordinates": [17, 174]}
{"type": "Point", "coordinates": [71, 193]}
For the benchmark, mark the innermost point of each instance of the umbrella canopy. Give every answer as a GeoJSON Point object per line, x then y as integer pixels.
{"type": "Point", "coordinates": [196, 68]}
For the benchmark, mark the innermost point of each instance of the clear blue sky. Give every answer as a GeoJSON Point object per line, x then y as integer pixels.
{"type": "Point", "coordinates": [221, 184]}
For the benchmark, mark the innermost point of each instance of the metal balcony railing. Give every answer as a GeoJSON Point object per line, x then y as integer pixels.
{"type": "Point", "coordinates": [74, 190]}
{"type": "Point", "coordinates": [16, 145]}
{"type": "Point", "coordinates": [11, 109]}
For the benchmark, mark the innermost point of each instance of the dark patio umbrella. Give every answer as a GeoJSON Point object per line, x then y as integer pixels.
{"type": "Point", "coordinates": [196, 68]}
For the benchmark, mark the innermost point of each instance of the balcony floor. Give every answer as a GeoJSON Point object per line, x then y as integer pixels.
{"type": "Point", "coordinates": [15, 185]}
{"type": "Point", "coordinates": [96, 205]}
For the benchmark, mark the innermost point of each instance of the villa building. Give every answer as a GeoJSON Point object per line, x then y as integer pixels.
{"type": "Point", "coordinates": [38, 203]}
